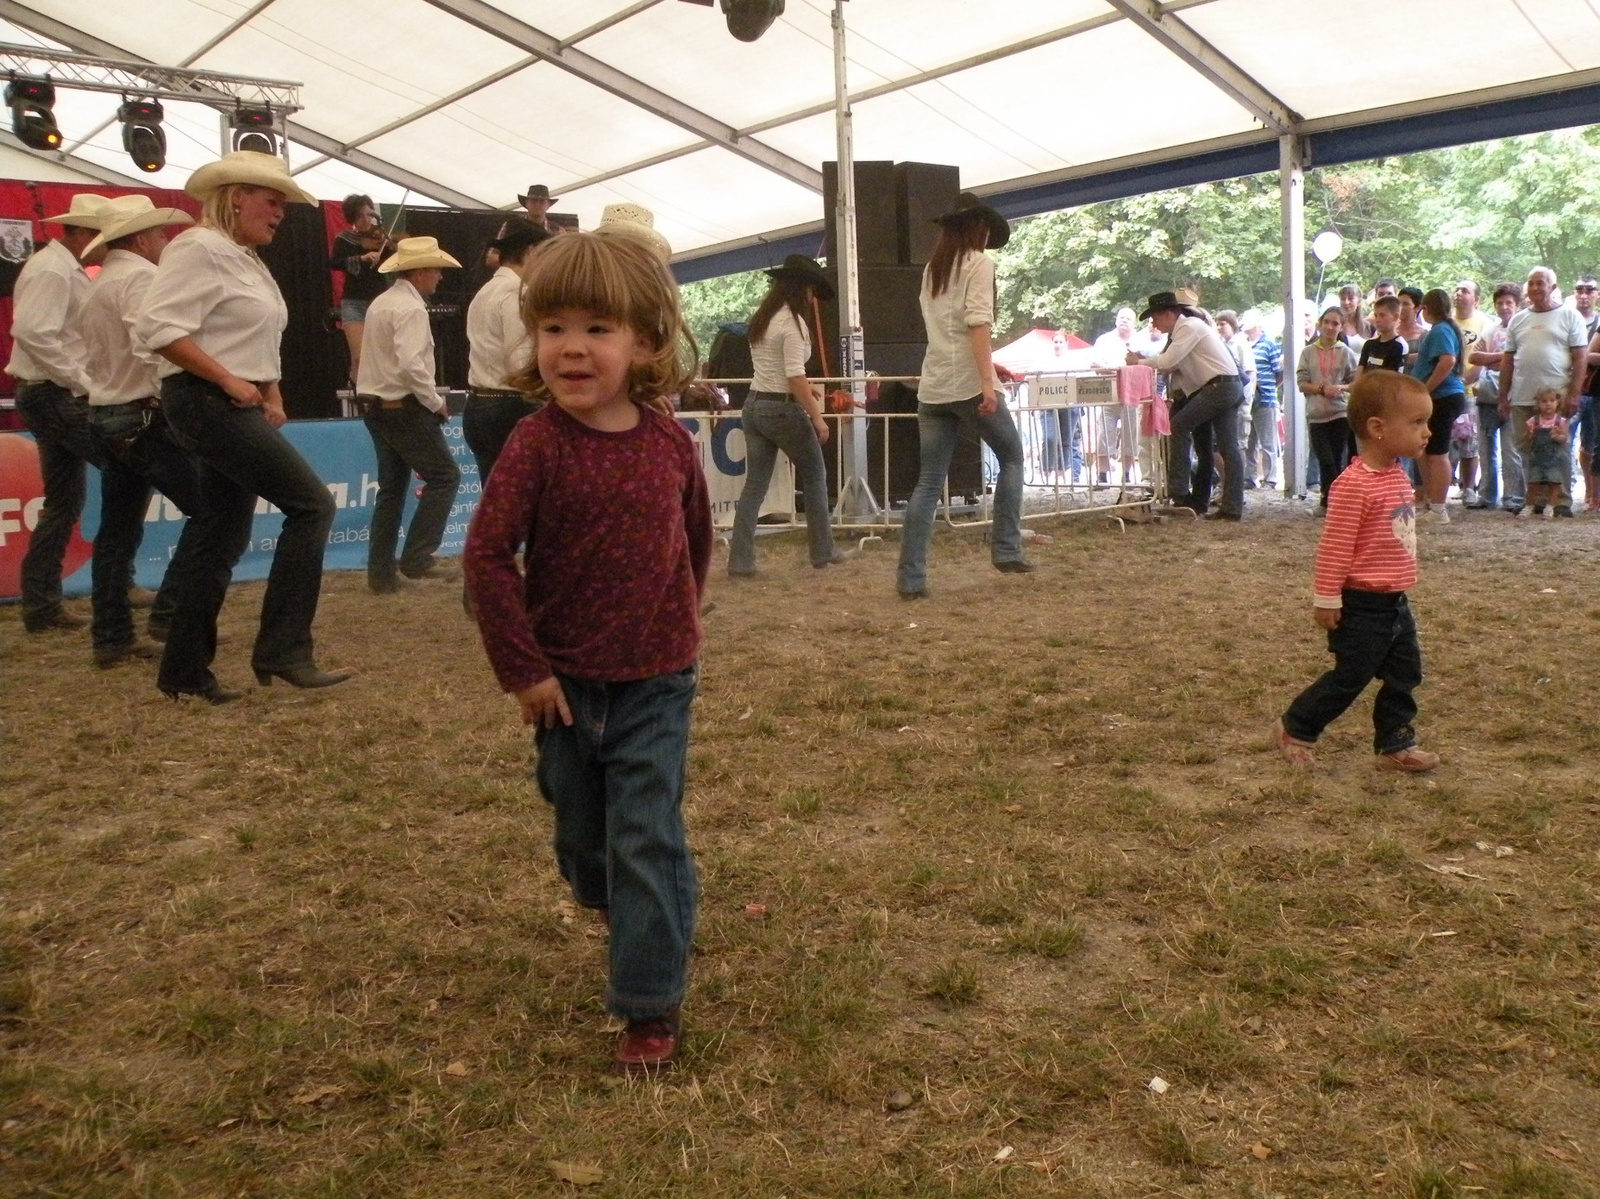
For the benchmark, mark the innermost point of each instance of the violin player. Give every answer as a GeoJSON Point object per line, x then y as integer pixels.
{"type": "Point", "coordinates": [357, 252]}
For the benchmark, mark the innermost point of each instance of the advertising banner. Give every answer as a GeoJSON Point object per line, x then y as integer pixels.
{"type": "Point", "coordinates": [340, 451]}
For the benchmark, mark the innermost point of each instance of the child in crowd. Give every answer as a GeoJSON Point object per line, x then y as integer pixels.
{"type": "Point", "coordinates": [1549, 462]}
{"type": "Point", "coordinates": [1366, 561]}
{"type": "Point", "coordinates": [598, 636]}
{"type": "Point", "coordinates": [1385, 350]}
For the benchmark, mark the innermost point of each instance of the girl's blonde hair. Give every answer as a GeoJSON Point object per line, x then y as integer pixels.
{"type": "Point", "coordinates": [618, 278]}
{"type": "Point", "coordinates": [1555, 392]}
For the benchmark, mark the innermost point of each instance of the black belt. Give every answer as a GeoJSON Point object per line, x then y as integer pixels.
{"type": "Point", "coordinates": [371, 402]}
{"type": "Point", "coordinates": [769, 395]}
{"type": "Point", "coordinates": [143, 403]}
{"type": "Point", "coordinates": [1215, 379]}
{"type": "Point", "coordinates": [496, 393]}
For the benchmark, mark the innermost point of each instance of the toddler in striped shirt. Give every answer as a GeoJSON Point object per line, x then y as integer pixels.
{"type": "Point", "coordinates": [1366, 561]}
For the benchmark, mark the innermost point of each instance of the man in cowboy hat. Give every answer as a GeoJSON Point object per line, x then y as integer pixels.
{"type": "Point", "coordinates": [404, 411]}
{"type": "Point", "coordinates": [536, 202]}
{"type": "Point", "coordinates": [47, 363]}
{"type": "Point", "coordinates": [1206, 373]}
{"type": "Point", "coordinates": [138, 451]}
{"type": "Point", "coordinates": [498, 347]}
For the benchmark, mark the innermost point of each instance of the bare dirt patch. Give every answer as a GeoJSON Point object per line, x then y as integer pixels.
{"type": "Point", "coordinates": [1023, 847]}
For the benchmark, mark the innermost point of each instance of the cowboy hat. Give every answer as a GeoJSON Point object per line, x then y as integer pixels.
{"type": "Point", "coordinates": [86, 212]}
{"type": "Point", "coordinates": [637, 221]}
{"type": "Point", "coordinates": [248, 167]}
{"type": "Point", "coordinates": [1164, 300]}
{"type": "Point", "coordinates": [537, 192]}
{"type": "Point", "coordinates": [127, 215]}
{"type": "Point", "coordinates": [967, 205]}
{"type": "Point", "coordinates": [416, 254]}
{"type": "Point", "coordinates": [805, 270]}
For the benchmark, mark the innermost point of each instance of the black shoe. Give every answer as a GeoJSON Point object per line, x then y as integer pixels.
{"type": "Point", "coordinates": [1513, 509]}
{"type": "Point", "coordinates": [918, 593]}
{"type": "Point", "coordinates": [741, 574]}
{"type": "Point", "coordinates": [305, 675]}
{"type": "Point", "coordinates": [839, 558]}
{"type": "Point", "coordinates": [1563, 510]}
{"type": "Point", "coordinates": [214, 694]}
{"type": "Point", "coordinates": [1538, 509]}
{"type": "Point", "coordinates": [105, 659]}
{"type": "Point", "coordinates": [59, 619]}
{"type": "Point", "coordinates": [1017, 566]}
{"type": "Point", "coordinates": [1219, 514]}
{"type": "Point", "coordinates": [391, 586]}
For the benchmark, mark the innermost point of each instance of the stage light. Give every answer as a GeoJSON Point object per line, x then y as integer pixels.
{"type": "Point", "coordinates": [254, 129]}
{"type": "Point", "coordinates": [32, 120]}
{"type": "Point", "coordinates": [142, 135]}
{"type": "Point", "coordinates": [749, 19]}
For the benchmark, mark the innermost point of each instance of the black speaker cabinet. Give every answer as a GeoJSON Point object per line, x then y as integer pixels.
{"type": "Point", "coordinates": [315, 361]}
{"type": "Point", "coordinates": [923, 191]}
{"type": "Point", "coordinates": [465, 236]}
{"type": "Point", "coordinates": [877, 212]}
{"type": "Point", "coordinates": [966, 465]}
{"type": "Point", "coordinates": [890, 306]}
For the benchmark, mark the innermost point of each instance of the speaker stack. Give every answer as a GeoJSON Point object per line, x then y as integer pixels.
{"type": "Point", "coordinates": [896, 203]}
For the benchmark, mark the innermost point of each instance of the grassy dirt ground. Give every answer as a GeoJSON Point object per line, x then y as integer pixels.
{"type": "Point", "coordinates": [1019, 849]}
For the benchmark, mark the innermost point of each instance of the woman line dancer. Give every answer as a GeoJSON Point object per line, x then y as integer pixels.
{"type": "Point", "coordinates": [1326, 370]}
{"type": "Point", "coordinates": [358, 252]}
{"type": "Point", "coordinates": [216, 315]}
{"type": "Point", "coordinates": [959, 387]}
{"type": "Point", "coordinates": [1439, 363]}
{"type": "Point", "coordinates": [784, 412]}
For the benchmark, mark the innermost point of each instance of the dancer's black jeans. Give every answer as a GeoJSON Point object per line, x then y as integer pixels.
{"type": "Point", "coordinates": [243, 457]}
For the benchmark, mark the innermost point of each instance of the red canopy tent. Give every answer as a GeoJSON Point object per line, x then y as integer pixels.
{"type": "Point", "coordinates": [1042, 351]}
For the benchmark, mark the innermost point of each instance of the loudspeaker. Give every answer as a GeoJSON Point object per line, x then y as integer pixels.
{"type": "Point", "coordinates": [313, 354]}
{"type": "Point", "coordinates": [465, 236]}
{"type": "Point", "coordinates": [877, 212]}
{"type": "Point", "coordinates": [923, 191]}
{"type": "Point", "coordinates": [896, 358]}
{"type": "Point", "coordinates": [890, 307]}
{"type": "Point", "coordinates": [966, 464]}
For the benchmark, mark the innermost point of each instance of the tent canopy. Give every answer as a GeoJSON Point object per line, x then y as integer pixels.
{"type": "Point", "coordinates": [1041, 103]}
{"type": "Point", "coordinates": [1042, 351]}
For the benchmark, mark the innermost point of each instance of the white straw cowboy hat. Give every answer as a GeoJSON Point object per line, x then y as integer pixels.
{"type": "Point", "coordinates": [251, 168]}
{"type": "Point", "coordinates": [416, 254]}
{"type": "Point", "coordinates": [86, 212]}
{"type": "Point", "coordinates": [636, 221]}
{"type": "Point", "coordinates": [127, 215]}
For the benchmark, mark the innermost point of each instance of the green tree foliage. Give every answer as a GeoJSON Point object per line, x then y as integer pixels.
{"type": "Point", "coordinates": [1487, 211]}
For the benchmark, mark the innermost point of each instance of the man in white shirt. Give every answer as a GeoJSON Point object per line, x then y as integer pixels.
{"type": "Point", "coordinates": [1546, 347]}
{"type": "Point", "coordinates": [498, 347]}
{"type": "Point", "coordinates": [404, 414]}
{"type": "Point", "coordinates": [47, 363]}
{"type": "Point", "coordinates": [1206, 373]}
{"type": "Point", "coordinates": [138, 451]}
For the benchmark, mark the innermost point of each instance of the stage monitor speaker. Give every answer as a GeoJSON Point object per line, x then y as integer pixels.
{"type": "Point", "coordinates": [877, 212]}
{"type": "Point", "coordinates": [923, 192]}
{"type": "Point", "coordinates": [312, 352]}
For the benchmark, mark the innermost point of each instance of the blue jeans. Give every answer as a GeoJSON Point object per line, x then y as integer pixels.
{"type": "Point", "coordinates": [408, 439]}
{"type": "Point", "coordinates": [59, 422]}
{"type": "Point", "coordinates": [141, 455]}
{"type": "Point", "coordinates": [1376, 639]}
{"type": "Point", "coordinates": [615, 778]}
{"type": "Point", "coordinates": [242, 457]}
{"type": "Point", "coordinates": [772, 423]}
{"type": "Point", "coordinates": [938, 426]}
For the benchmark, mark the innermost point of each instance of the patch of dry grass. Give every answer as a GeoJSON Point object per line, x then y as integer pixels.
{"type": "Point", "coordinates": [1022, 847]}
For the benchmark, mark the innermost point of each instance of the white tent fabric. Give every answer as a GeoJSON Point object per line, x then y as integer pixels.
{"type": "Point", "coordinates": [654, 102]}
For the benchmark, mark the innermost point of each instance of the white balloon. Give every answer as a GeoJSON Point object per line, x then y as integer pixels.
{"type": "Point", "coordinates": [1327, 246]}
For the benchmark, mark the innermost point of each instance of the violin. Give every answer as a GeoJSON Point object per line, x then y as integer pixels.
{"type": "Point", "coordinates": [374, 239]}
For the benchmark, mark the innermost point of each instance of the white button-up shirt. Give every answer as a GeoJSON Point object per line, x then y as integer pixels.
{"type": "Point", "coordinates": [397, 349]}
{"type": "Point", "coordinates": [781, 354]}
{"type": "Point", "coordinates": [119, 366]}
{"type": "Point", "coordinates": [1193, 356]}
{"type": "Point", "coordinates": [211, 289]}
{"type": "Point", "coordinates": [949, 368]}
{"type": "Point", "coordinates": [498, 345]}
{"type": "Point", "coordinates": [44, 326]}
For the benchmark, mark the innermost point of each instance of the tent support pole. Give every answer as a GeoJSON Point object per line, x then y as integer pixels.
{"type": "Point", "coordinates": [1291, 181]}
{"type": "Point", "coordinates": [855, 495]}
